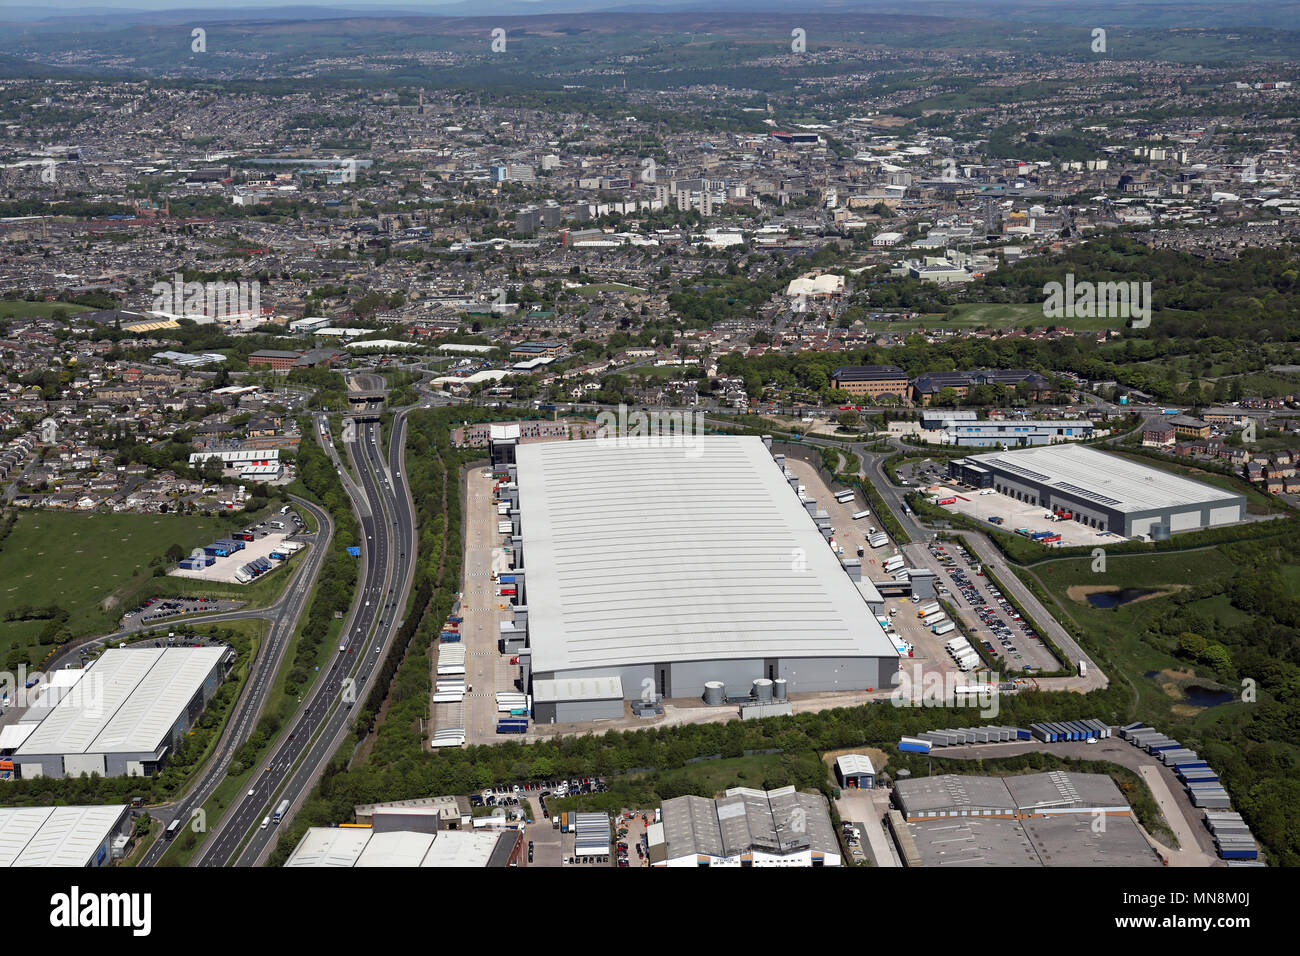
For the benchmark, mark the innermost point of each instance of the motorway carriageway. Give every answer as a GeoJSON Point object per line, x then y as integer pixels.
{"type": "Point", "coordinates": [320, 724]}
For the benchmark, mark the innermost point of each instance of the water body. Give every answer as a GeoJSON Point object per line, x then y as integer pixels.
{"type": "Point", "coordinates": [1204, 697]}
{"type": "Point", "coordinates": [1108, 599]}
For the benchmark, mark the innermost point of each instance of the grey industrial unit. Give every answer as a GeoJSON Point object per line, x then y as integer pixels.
{"type": "Point", "coordinates": [671, 563]}
{"type": "Point", "coordinates": [747, 827]}
{"type": "Point", "coordinates": [125, 714]}
{"type": "Point", "coordinates": [575, 700]}
{"type": "Point", "coordinates": [855, 771]}
{"type": "Point", "coordinates": [1103, 491]}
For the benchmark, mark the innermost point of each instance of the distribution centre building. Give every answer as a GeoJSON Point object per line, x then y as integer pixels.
{"type": "Point", "coordinates": [673, 562]}
{"type": "Point", "coordinates": [1104, 491]}
{"type": "Point", "coordinates": [124, 715]}
{"type": "Point", "coordinates": [63, 836]}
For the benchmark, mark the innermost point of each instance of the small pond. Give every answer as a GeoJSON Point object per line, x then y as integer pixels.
{"type": "Point", "coordinates": [1107, 599]}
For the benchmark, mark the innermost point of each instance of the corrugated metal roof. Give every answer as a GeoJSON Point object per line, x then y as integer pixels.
{"type": "Point", "coordinates": [125, 702]}
{"type": "Point", "coordinates": [1106, 479]}
{"type": "Point", "coordinates": [577, 688]}
{"type": "Point", "coordinates": [330, 846]}
{"type": "Point", "coordinates": [158, 700]}
{"type": "Point", "coordinates": [54, 836]}
{"type": "Point", "coordinates": [650, 550]}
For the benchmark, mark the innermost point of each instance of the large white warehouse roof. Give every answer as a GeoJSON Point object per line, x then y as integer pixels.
{"type": "Point", "coordinates": [648, 550]}
{"type": "Point", "coordinates": [126, 702]}
{"type": "Point", "coordinates": [1111, 480]}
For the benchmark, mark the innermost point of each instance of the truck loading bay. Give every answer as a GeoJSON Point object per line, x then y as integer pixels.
{"type": "Point", "coordinates": [986, 504]}
{"type": "Point", "coordinates": [486, 669]}
{"type": "Point", "coordinates": [985, 616]}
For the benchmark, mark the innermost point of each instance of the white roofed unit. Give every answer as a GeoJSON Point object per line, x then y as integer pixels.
{"type": "Point", "coordinates": [123, 715]}
{"type": "Point", "coordinates": [330, 846]}
{"type": "Point", "coordinates": [364, 847]}
{"type": "Point", "coordinates": [574, 688]}
{"type": "Point", "coordinates": [1110, 491]}
{"type": "Point", "coordinates": [237, 456]}
{"type": "Point", "coordinates": [59, 836]}
{"type": "Point", "coordinates": [685, 560]}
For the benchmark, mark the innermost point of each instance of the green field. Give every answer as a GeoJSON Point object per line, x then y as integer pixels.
{"type": "Point", "coordinates": [91, 565]}
{"type": "Point", "coordinates": [11, 310]}
{"type": "Point", "coordinates": [1116, 635]}
{"type": "Point", "coordinates": [1007, 315]}
{"type": "Point", "coordinates": [998, 315]}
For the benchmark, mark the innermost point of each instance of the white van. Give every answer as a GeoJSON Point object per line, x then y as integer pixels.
{"type": "Point", "coordinates": [266, 822]}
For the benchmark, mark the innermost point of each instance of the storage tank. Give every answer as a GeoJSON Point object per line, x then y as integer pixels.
{"type": "Point", "coordinates": [762, 689]}
{"type": "Point", "coordinates": [1160, 532]}
{"type": "Point", "coordinates": [715, 693]}
{"type": "Point", "coordinates": [779, 688]}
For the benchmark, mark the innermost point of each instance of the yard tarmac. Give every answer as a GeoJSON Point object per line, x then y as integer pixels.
{"type": "Point", "coordinates": [487, 670]}
{"type": "Point", "coordinates": [868, 808]}
{"type": "Point", "coordinates": [223, 569]}
{"type": "Point", "coordinates": [1020, 514]}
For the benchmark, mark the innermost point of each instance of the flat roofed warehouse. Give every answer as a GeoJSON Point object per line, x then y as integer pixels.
{"type": "Point", "coordinates": [674, 562]}
{"type": "Point", "coordinates": [127, 712]}
{"type": "Point", "coordinates": [364, 847]}
{"type": "Point", "coordinates": [1104, 491]}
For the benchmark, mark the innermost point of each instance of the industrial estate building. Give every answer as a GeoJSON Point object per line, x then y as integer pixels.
{"type": "Point", "coordinates": [1104, 491]}
{"type": "Point", "coordinates": [63, 836]}
{"type": "Point", "coordinates": [400, 835]}
{"type": "Point", "coordinates": [1041, 819]}
{"type": "Point", "coordinates": [122, 716]}
{"type": "Point", "coordinates": [965, 428]}
{"type": "Point", "coordinates": [745, 827]}
{"type": "Point", "coordinates": [855, 771]}
{"type": "Point", "coordinates": [661, 567]}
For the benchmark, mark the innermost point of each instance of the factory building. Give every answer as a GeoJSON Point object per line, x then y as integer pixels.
{"type": "Point", "coordinates": [667, 567]}
{"type": "Point", "coordinates": [122, 716]}
{"type": "Point", "coordinates": [745, 827]}
{"type": "Point", "coordinates": [963, 429]}
{"type": "Point", "coordinates": [1103, 491]}
{"type": "Point", "coordinates": [408, 837]}
{"type": "Point", "coordinates": [1041, 819]}
{"type": "Point", "coordinates": [63, 836]}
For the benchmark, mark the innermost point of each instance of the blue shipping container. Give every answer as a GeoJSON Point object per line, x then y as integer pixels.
{"type": "Point", "coordinates": [1239, 853]}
